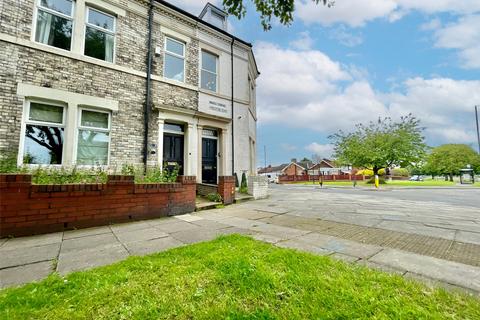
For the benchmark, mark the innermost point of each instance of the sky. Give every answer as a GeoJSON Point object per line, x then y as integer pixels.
{"type": "Point", "coordinates": [358, 61]}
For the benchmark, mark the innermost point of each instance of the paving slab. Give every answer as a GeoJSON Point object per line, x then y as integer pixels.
{"type": "Point", "coordinates": [303, 246]}
{"type": "Point", "coordinates": [188, 217]}
{"type": "Point", "coordinates": [77, 244]}
{"type": "Point", "coordinates": [468, 237]}
{"type": "Point", "coordinates": [380, 267]}
{"type": "Point", "coordinates": [266, 238]}
{"type": "Point", "coordinates": [87, 258]}
{"type": "Point", "coordinates": [163, 220]}
{"type": "Point", "coordinates": [140, 248]}
{"type": "Point", "coordinates": [447, 271]}
{"type": "Point", "coordinates": [130, 226]}
{"type": "Point", "coordinates": [32, 241]}
{"type": "Point", "coordinates": [255, 215]}
{"type": "Point", "coordinates": [197, 235]}
{"type": "Point", "coordinates": [17, 257]}
{"type": "Point", "coordinates": [3, 241]}
{"type": "Point", "coordinates": [176, 226]}
{"type": "Point", "coordinates": [140, 235]}
{"type": "Point", "coordinates": [214, 225]}
{"type": "Point", "coordinates": [241, 222]}
{"type": "Point", "coordinates": [345, 257]}
{"type": "Point", "coordinates": [283, 232]}
{"type": "Point", "coordinates": [27, 273]}
{"type": "Point", "coordinates": [343, 246]}
{"type": "Point", "coordinates": [86, 232]}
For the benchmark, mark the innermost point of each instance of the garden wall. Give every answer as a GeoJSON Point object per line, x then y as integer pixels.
{"type": "Point", "coordinates": [27, 209]}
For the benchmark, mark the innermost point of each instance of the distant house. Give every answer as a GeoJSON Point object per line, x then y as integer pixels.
{"type": "Point", "coordinates": [272, 172]}
{"type": "Point", "coordinates": [328, 167]}
{"type": "Point", "coordinates": [295, 168]}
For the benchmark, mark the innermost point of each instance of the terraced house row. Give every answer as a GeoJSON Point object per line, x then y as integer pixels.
{"type": "Point", "coordinates": [109, 82]}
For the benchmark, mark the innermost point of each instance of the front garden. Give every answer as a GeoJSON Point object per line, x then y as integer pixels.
{"type": "Point", "coordinates": [233, 277]}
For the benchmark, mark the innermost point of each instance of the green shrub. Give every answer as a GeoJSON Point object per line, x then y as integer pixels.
{"type": "Point", "coordinates": [153, 174]}
{"type": "Point", "coordinates": [8, 164]}
{"type": "Point", "coordinates": [236, 181]}
{"type": "Point", "coordinates": [243, 185]}
{"type": "Point", "coordinates": [400, 172]}
{"type": "Point", "coordinates": [214, 197]}
{"type": "Point", "coordinates": [51, 175]}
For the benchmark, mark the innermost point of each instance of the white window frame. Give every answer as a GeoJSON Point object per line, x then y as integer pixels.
{"type": "Point", "coordinates": [80, 127]}
{"type": "Point", "coordinates": [216, 69]}
{"type": "Point", "coordinates": [38, 7]}
{"type": "Point", "coordinates": [26, 121]}
{"type": "Point", "coordinates": [110, 32]}
{"type": "Point", "coordinates": [166, 52]}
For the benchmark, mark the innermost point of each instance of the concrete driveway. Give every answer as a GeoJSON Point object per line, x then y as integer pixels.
{"type": "Point", "coordinates": [429, 235]}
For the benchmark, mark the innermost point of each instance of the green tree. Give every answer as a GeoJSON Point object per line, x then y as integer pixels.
{"type": "Point", "coordinates": [448, 159]}
{"type": "Point", "coordinates": [381, 144]}
{"type": "Point", "coordinates": [281, 9]}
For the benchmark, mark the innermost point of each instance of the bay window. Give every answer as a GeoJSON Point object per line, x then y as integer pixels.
{"type": "Point", "coordinates": [209, 71]}
{"type": "Point", "coordinates": [99, 35]}
{"type": "Point", "coordinates": [174, 61]}
{"type": "Point", "coordinates": [54, 23]}
{"type": "Point", "coordinates": [44, 134]}
{"type": "Point", "coordinates": [93, 137]}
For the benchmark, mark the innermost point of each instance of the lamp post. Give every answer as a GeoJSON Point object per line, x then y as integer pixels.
{"type": "Point", "coordinates": [478, 130]}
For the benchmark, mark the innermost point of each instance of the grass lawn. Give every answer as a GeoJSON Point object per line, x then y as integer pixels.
{"type": "Point", "coordinates": [395, 183]}
{"type": "Point", "coordinates": [233, 277]}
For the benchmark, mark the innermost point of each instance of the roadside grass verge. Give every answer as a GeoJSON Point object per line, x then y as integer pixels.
{"type": "Point", "coordinates": [396, 183]}
{"type": "Point", "coordinates": [233, 277]}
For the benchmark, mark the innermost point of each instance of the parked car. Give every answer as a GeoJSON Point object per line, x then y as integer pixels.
{"type": "Point", "coordinates": [416, 178]}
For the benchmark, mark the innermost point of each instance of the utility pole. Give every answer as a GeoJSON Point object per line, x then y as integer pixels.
{"type": "Point", "coordinates": [265, 157]}
{"type": "Point", "coordinates": [478, 130]}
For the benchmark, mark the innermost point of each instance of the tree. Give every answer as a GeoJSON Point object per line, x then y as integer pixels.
{"type": "Point", "coordinates": [281, 9]}
{"type": "Point", "coordinates": [381, 144]}
{"type": "Point", "coordinates": [448, 159]}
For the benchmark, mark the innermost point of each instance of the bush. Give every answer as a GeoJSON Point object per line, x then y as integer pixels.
{"type": "Point", "coordinates": [8, 164]}
{"type": "Point", "coordinates": [243, 185]}
{"type": "Point", "coordinates": [214, 197]}
{"type": "Point", "coordinates": [400, 172]}
{"type": "Point", "coordinates": [49, 175]}
{"type": "Point", "coordinates": [236, 181]}
{"type": "Point", "coordinates": [368, 172]}
{"type": "Point", "coordinates": [153, 174]}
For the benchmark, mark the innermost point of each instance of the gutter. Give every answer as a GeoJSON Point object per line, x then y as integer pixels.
{"type": "Point", "coordinates": [233, 127]}
{"type": "Point", "coordinates": [148, 97]}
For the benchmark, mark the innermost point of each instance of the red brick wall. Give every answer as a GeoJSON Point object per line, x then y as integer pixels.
{"type": "Point", "coordinates": [226, 188]}
{"type": "Point", "coordinates": [27, 209]}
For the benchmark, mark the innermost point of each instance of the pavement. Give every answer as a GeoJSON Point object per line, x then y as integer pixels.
{"type": "Point", "coordinates": [434, 238]}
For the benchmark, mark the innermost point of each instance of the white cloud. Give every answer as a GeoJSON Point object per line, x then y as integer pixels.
{"type": "Point", "coordinates": [308, 90]}
{"type": "Point", "coordinates": [463, 35]}
{"type": "Point", "coordinates": [323, 150]}
{"type": "Point", "coordinates": [356, 13]}
{"type": "Point", "coordinates": [346, 38]}
{"type": "Point", "coordinates": [433, 24]}
{"type": "Point", "coordinates": [304, 41]}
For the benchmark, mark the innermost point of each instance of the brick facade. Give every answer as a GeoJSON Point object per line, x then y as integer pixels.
{"type": "Point", "coordinates": [226, 188]}
{"type": "Point", "coordinates": [28, 209]}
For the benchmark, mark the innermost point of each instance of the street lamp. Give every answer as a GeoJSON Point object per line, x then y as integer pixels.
{"type": "Point", "coordinates": [478, 130]}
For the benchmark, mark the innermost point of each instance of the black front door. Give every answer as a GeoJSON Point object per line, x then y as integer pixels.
{"type": "Point", "coordinates": [173, 152]}
{"type": "Point", "coordinates": [209, 161]}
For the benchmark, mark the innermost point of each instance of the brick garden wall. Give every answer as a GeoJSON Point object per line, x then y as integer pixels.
{"type": "Point", "coordinates": [27, 209]}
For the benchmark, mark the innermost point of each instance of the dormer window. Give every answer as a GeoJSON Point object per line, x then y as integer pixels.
{"type": "Point", "coordinates": [217, 20]}
{"type": "Point", "coordinates": [215, 16]}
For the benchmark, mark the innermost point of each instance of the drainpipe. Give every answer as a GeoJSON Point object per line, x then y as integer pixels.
{"type": "Point", "coordinates": [233, 136]}
{"type": "Point", "coordinates": [148, 98]}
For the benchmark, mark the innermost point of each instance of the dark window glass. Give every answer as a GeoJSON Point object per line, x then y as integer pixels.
{"type": "Point", "coordinates": [99, 44]}
{"type": "Point", "coordinates": [43, 145]}
{"type": "Point", "coordinates": [173, 127]}
{"type": "Point", "coordinates": [53, 30]}
{"type": "Point", "coordinates": [101, 20]}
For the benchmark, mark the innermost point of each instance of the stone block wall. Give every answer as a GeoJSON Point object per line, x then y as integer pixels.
{"type": "Point", "coordinates": [28, 209]}
{"type": "Point", "coordinates": [258, 186]}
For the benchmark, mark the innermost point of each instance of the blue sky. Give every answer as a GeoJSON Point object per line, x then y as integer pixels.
{"type": "Point", "coordinates": [334, 67]}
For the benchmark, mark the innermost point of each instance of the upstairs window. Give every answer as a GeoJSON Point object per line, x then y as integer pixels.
{"type": "Point", "coordinates": [209, 71]}
{"type": "Point", "coordinates": [44, 131]}
{"type": "Point", "coordinates": [93, 138]}
{"type": "Point", "coordinates": [99, 35]}
{"type": "Point", "coordinates": [54, 23]}
{"type": "Point", "coordinates": [174, 63]}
